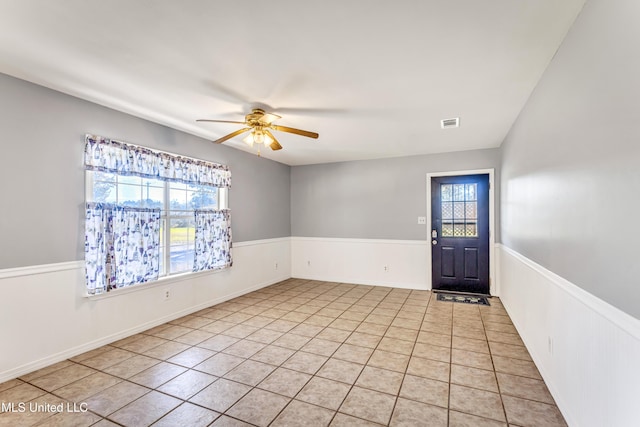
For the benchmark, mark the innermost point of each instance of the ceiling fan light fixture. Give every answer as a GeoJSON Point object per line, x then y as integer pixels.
{"type": "Point", "coordinates": [248, 140]}
{"type": "Point", "coordinates": [258, 136]}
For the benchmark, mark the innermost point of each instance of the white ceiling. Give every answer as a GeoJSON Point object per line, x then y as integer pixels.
{"type": "Point", "coordinates": [373, 77]}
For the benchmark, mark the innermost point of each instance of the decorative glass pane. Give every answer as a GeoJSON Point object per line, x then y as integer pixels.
{"type": "Point", "coordinates": [472, 229]}
{"type": "Point", "coordinates": [458, 210]}
{"type": "Point", "coordinates": [447, 210]}
{"type": "Point", "coordinates": [471, 191]}
{"type": "Point", "coordinates": [446, 192]}
{"type": "Point", "coordinates": [458, 192]}
{"type": "Point", "coordinates": [471, 210]}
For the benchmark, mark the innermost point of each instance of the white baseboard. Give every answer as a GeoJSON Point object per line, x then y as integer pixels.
{"type": "Point", "coordinates": [71, 352]}
{"type": "Point", "coordinates": [586, 350]}
{"type": "Point", "coordinates": [54, 321]}
{"type": "Point", "coordinates": [393, 263]}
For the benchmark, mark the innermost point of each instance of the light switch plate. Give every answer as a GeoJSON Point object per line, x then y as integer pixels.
{"type": "Point", "coordinates": [422, 220]}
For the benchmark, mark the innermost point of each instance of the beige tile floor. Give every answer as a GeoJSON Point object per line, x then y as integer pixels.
{"type": "Point", "coordinates": [302, 353]}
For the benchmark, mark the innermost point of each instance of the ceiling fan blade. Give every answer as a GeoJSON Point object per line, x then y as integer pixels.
{"type": "Point", "coordinates": [221, 121]}
{"type": "Point", "coordinates": [231, 135]}
{"type": "Point", "coordinates": [269, 118]}
{"type": "Point", "coordinates": [296, 131]}
{"type": "Point", "coordinates": [275, 145]}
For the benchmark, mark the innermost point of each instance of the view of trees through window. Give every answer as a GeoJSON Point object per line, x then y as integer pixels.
{"type": "Point", "coordinates": [177, 202]}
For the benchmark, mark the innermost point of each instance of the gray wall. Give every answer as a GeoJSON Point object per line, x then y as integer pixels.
{"type": "Point", "coordinates": [42, 176]}
{"type": "Point", "coordinates": [571, 163]}
{"type": "Point", "coordinates": [372, 199]}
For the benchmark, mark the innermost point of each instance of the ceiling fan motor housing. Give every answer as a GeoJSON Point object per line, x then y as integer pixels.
{"type": "Point", "coordinates": [253, 118]}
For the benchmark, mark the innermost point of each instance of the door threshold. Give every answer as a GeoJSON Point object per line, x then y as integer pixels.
{"type": "Point", "coordinates": [475, 294]}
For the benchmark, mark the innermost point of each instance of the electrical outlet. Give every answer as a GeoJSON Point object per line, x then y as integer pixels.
{"type": "Point", "coordinates": [422, 220]}
{"type": "Point", "coordinates": [386, 268]}
{"type": "Point", "coordinates": [308, 263]}
{"type": "Point", "coordinates": [167, 294]}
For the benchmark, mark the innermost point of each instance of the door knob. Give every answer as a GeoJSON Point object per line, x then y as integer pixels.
{"type": "Point", "coordinates": [434, 242]}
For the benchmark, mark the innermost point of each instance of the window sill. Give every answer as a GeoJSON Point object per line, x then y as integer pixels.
{"type": "Point", "coordinates": [163, 281]}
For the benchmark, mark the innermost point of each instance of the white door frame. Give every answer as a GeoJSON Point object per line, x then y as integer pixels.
{"type": "Point", "coordinates": [492, 264]}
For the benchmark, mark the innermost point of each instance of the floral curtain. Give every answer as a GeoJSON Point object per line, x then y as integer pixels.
{"type": "Point", "coordinates": [106, 155]}
{"type": "Point", "coordinates": [96, 247]}
{"type": "Point", "coordinates": [122, 246]}
{"type": "Point", "coordinates": [212, 240]}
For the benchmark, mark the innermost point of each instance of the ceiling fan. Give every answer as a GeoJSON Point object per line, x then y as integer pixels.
{"type": "Point", "coordinates": [260, 123]}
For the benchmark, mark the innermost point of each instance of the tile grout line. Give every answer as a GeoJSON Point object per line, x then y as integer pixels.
{"type": "Point", "coordinates": [300, 350]}
{"type": "Point", "coordinates": [450, 368]}
{"type": "Point", "coordinates": [298, 290]}
{"type": "Point", "coordinates": [404, 375]}
{"type": "Point", "coordinates": [337, 410]}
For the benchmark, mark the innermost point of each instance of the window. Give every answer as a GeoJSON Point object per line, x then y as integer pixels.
{"type": "Point", "coordinates": [177, 203]}
{"type": "Point", "coordinates": [459, 210]}
{"type": "Point", "coordinates": [151, 214]}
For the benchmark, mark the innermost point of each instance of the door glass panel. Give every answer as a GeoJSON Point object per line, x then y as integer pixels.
{"type": "Point", "coordinates": [447, 210]}
{"type": "Point", "coordinates": [447, 229]}
{"type": "Point", "coordinates": [471, 210]}
{"type": "Point", "coordinates": [447, 192]}
{"type": "Point", "coordinates": [472, 229]}
{"type": "Point", "coordinates": [459, 210]}
{"type": "Point", "coordinates": [470, 190]}
{"type": "Point", "coordinates": [458, 192]}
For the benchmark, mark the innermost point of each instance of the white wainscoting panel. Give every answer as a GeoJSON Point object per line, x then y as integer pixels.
{"type": "Point", "coordinates": [46, 317]}
{"type": "Point", "coordinates": [361, 261]}
{"type": "Point", "coordinates": [587, 351]}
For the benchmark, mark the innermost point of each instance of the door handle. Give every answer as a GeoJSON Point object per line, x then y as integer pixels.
{"type": "Point", "coordinates": [434, 234]}
{"type": "Point", "coordinates": [434, 242]}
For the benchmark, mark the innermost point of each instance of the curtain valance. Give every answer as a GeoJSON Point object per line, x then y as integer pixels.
{"type": "Point", "coordinates": [106, 155]}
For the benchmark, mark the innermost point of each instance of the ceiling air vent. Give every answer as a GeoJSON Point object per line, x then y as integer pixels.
{"type": "Point", "coordinates": [450, 123]}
